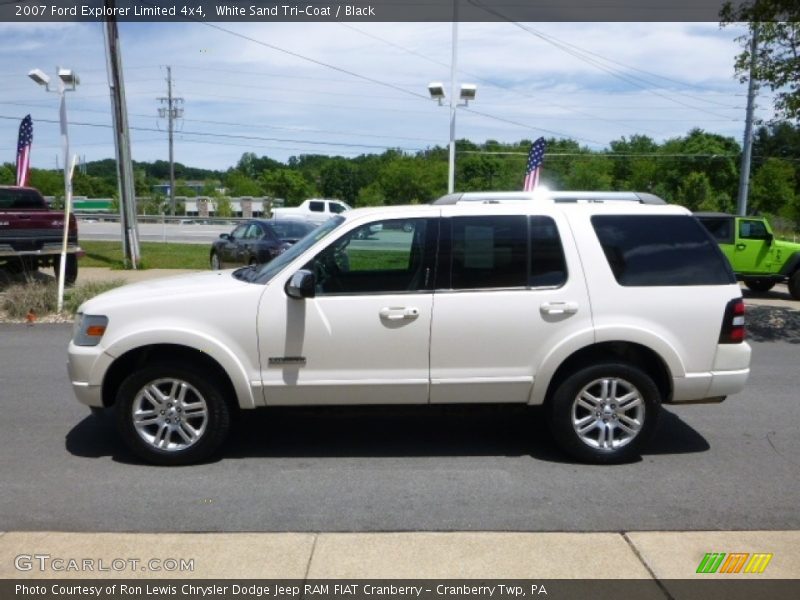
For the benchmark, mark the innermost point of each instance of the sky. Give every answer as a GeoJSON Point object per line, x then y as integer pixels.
{"type": "Point", "coordinates": [285, 89]}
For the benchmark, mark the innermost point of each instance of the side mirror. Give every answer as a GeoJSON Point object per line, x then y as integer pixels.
{"type": "Point", "coordinates": [225, 236]}
{"type": "Point", "coordinates": [770, 238]}
{"type": "Point", "coordinates": [302, 284]}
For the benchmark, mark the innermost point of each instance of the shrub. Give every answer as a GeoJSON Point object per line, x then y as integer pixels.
{"type": "Point", "coordinates": [21, 298]}
{"type": "Point", "coordinates": [42, 297]}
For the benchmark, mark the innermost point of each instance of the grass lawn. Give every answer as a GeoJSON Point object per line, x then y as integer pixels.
{"type": "Point", "coordinates": [155, 255]}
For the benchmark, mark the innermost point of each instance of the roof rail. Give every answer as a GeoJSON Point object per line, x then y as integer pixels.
{"type": "Point", "coordinates": [559, 197]}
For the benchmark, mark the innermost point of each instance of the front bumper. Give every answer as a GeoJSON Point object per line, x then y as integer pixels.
{"type": "Point", "coordinates": [87, 366]}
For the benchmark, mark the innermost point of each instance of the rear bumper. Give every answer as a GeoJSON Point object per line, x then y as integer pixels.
{"type": "Point", "coordinates": [48, 249]}
{"type": "Point", "coordinates": [728, 376]}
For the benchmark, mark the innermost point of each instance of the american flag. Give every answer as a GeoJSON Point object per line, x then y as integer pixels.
{"type": "Point", "coordinates": [24, 150]}
{"type": "Point", "coordinates": [535, 159]}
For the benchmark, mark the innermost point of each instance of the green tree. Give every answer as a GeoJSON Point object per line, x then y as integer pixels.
{"type": "Point", "coordinates": [287, 184]}
{"type": "Point", "coordinates": [634, 169]}
{"type": "Point", "coordinates": [410, 181]}
{"type": "Point", "coordinates": [590, 173]}
{"type": "Point", "coordinates": [239, 184]}
{"type": "Point", "coordinates": [772, 186]}
{"type": "Point", "coordinates": [338, 178]}
{"type": "Point", "coordinates": [371, 195]}
{"type": "Point", "coordinates": [7, 175]}
{"type": "Point", "coordinates": [224, 207]}
{"type": "Point", "coordinates": [695, 192]}
{"type": "Point", "coordinates": [776, 62]}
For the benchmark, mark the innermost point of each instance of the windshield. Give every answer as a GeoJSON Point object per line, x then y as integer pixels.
{"type": "Point", "coordinates": [263, 273]}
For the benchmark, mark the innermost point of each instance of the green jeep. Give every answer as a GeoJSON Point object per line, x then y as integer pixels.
{"type": "Point", "coordinates": [756, 256]}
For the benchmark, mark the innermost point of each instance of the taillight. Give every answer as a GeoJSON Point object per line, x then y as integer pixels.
{"type": "Point", "coordinates": [733, 323]}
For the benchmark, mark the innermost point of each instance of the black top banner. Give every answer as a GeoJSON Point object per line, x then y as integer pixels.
{"type": "Point", "coordinates": [362, 10]}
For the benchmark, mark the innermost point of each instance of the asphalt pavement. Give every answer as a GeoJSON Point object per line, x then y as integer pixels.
{"type": "Point", "coordinates": [732, 466]}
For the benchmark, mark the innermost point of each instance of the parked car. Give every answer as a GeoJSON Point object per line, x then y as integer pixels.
{"type": "Point", "coordinates": [32, 235]}
{"type": "Point", "coordinates": [757, 257]}
{"type": "Point", "coordinates": [256, 241]}
{"type": "Point", "coordinates": [599, 311]}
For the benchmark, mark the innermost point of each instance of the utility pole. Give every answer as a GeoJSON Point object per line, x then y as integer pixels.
{"type": "Point", "coordinates": [127, 196]}
{"type": "Point", "coordinates": [171, 112]}
{"type": "Point", "coordinates": [744, 169]}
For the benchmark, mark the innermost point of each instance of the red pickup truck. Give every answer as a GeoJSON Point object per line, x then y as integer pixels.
{"type": "Point", "coordinates": [31, 235]}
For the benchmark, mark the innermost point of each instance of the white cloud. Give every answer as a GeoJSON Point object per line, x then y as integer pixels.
{"type": "Point", "coordinates": [265, 93]}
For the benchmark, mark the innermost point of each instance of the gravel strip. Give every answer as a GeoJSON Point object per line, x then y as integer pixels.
{"type": "Point", "coordinates": [772, 323]}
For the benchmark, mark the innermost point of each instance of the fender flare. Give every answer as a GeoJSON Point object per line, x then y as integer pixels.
{"type": "Point", "coordinates": [586, 339]}
{"type": "Point", "coordinates": [791, 265]}
{"type": "Point", "coordinates": [208, 345]}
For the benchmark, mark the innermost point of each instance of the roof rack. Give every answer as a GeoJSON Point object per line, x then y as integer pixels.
{"type": "Point", "coordinates": [558, 197]}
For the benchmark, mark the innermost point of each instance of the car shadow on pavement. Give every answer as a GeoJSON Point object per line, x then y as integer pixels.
{"type": "Point", "coordinates": [374, 431]}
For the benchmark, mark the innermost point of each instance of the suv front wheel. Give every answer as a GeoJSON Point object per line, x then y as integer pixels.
{"type": "Point", "coordinates": [605, 413]}
{"type": "Point", "coordinates": [171, 415]}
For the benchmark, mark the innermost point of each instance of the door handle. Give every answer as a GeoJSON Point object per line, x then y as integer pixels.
{"type": "Point", "coordinates": [399, 313]}
{"type": "Point", "coordinates": [741, 246]}
{"type": "Point", "coordinates": [559, 308]}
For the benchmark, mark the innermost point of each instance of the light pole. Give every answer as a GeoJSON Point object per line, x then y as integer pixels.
{"type": "Point", "coordinates": [467, 93]}
{"type": "Point", "coordinates": [67, 82]}
{"type": "Point", "coordinates": [436, 90]}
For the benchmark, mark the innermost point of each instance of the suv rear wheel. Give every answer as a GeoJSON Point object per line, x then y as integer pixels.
{"type": "Point", "coordinates": [760, 285]}
{"type": "Point", "coordinates": [171, 415]}
{"type": "Point", "coordinates": [605, 413]}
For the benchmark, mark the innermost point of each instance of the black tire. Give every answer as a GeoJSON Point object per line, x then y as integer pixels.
{"type": "Point", "coordinates": [70, 270]}
{"type": "Point", "coordinates": [213, 431]}
{"type": "Point", "coordinates": [608, 417]}
{"type": "Point", "coordinates": [760, 285]}
{"type": "Point", "coordinates": [794, 285]}
{"type": "Point", "coordinates": [216, 265]}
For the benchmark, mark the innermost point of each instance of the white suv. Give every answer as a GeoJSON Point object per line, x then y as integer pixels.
{"type": "Point", "coordinates": [600, 310]}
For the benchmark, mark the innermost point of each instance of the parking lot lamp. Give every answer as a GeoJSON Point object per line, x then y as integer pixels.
{"type": "Point", "coordinates": [67, 82]}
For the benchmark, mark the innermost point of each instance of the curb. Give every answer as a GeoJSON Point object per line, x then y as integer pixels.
{"type": "Point", "coordinates": [418, 555]}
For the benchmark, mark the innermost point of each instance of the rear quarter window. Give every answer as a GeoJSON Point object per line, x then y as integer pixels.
{"type": "Point", "coordinates": [661, 250]}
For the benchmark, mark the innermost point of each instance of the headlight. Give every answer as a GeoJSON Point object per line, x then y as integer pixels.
{"type": "Point", "coordinates": [88, 329]}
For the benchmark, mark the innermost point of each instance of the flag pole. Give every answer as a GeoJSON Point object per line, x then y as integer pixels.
{"type": "Point", "coordinates": [62, 264]}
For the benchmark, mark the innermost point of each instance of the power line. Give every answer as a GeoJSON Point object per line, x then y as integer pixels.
{"type": "Point", "coordinates": [237, 136]}
{"type": "Point", "coordinates": [314, 61]}
{"type": "Point", "coordinates": [481, 79]}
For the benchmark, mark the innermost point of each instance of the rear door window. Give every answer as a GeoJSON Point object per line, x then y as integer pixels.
{"type": "Point", "coordinates": [489, 252]}
{"type": "Point", "coordinates": [661, 250]}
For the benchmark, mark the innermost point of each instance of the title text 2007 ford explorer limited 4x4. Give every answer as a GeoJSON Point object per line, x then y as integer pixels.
{"type": "Point", "coordinates": [600, 311]}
